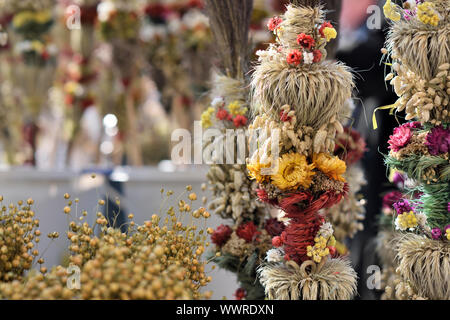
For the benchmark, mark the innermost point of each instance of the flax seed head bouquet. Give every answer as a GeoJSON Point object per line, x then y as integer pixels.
{"type": "Point", "coordinates": [418, 45]}
{"type": "Point", "coordinates": [298, 96]}
{"type": "Point", "coordinates": [159, 259]}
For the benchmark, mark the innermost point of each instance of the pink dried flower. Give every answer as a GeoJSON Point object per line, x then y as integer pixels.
{"type": "Point", "coordinates": [402, 206]}
{"type": "Point", "coordinates": [274, 23]}
{"type": "Point", "coordinates": [401, 137]}
{"type": "Point", "coordinates": [436, 233]}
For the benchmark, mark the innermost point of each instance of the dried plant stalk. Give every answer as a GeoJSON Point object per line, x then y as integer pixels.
{"type": "Point", "coordinates": [230, 21]}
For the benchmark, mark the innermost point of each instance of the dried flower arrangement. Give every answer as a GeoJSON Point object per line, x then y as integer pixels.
{"type": "Point", "coordinates": [241, 247]}
{"type": "Point", "coordinates": [299, 94]}
{"type": "Point", "coordinates": [160, 259]}
{"type": "Point", "coordinates": [79, 74]}
{"type": "Point", "coordinates": [421, 148]}
{"type": "Point", "coordinates": [176, 39]}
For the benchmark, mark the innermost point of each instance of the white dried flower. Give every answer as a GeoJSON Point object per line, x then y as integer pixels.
{"type": "Point", "coordinates": [104, 10]}
{"type": "Point", "coordinates": [308, 57]}
{"type": "Point", "coordinates": [275, 255]}
{"type": "Point", "coordinates": [326, 230]}
{"type": "Point", "coordinates": [218, 102]}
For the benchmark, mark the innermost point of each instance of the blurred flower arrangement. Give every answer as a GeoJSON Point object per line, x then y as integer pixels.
{"type": "Point", "coordinates": [160, 259]}
{"type": "Point", "coordinates": [176, 40]}
{"type": "Point", "coordinates": [119, 23]}
{"type": "Point", "coordinates": [305, 177]}
{"type": "Point", "coordinates": [31, 22]}
{"type": "Point", "coordinates": [421, 148]}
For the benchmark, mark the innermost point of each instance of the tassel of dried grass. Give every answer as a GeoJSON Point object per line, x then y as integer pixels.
{"type": "Point", "coordinates": [334, 279]}
{"type": "Point", "coordinates": [422, 47]}
{"type": "Point", "coordinates": [316, 92]}
{"type": "Point", "coordinates": [425, 264]}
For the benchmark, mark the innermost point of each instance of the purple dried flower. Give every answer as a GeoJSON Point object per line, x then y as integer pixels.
{"type": "Point", "coordinates": [436, 233]}
{"type": "Point", "coordinates": [448, 207]}
{"type": "Point", "coordinates": [438, 140]}
{"type": "Point", "coordinates": [402, 206]}
{"type": "Point", "coordinates": [398, 179]}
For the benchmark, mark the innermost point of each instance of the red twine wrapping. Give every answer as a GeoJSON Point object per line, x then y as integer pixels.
{"type": "Point", "coordinates": [304, 222]}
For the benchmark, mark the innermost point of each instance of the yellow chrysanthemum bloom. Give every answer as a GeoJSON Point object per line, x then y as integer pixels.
{"type": "Point", "coordinates": [426, 14]}
{"type": "Point", "coordinates": [391, 11]}
{"type": "Point", "coordinates": [333, 167]}
{"type": "Point", "coordinates": [406, 220]}
{"type": "Point", "coordinates": [254, 171]}
{"type": "Point", "coordinates": [235, 109]}
{"type": "Point", "coordinates": [329, 33]}
{"type": "Point", "coordinates": [206, 117]}
{"type": "Point", "coordinates": [293, 172]}
{"type": "Point", "coordinates": [447, 233]}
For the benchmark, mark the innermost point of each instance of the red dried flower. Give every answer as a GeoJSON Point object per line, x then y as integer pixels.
{"type": "Point", "coordinates": [274, 227]}
{"type": "Point", "coordinates": [294, 57]}
{"type": "Point", "coordinates": [284, 117]}
{"type": "Point", "coordinates": [274, 23]}
{"type": "Point", "coordinates": [317, 56]}
{"type": "Point", "coordinates": [222, 114]}
{"type": "Point", "coordinates": [240, 121]}
{"type": "Point", "coordinates": [240, 294]}
{"type": "Point", "coordinates": [277, 241]}
{"type": "Point", "coordinates": [390, 198]}
{"type": "Point", "coordinates": [248, 231]}
{"type": "Point", "coordinates": [306, 41]}
{"type": "Point", "coordinates": [323, 26]}
{"type": "Point", "coordinates": [221, 235]}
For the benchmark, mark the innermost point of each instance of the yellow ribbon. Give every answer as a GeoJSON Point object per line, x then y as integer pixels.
{"type": "Point", "coordinates": [374, 118]}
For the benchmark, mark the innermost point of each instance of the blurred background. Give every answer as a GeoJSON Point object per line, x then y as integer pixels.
{"type": "Point", "coordinates": [89, 86]}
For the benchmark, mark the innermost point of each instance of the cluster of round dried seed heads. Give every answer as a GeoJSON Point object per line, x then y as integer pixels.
{"type": "Point", "coordinates": [19, 235]}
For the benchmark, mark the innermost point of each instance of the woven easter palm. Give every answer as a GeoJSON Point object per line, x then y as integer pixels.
{"type": "Point", "coordinates": [425, 264]}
